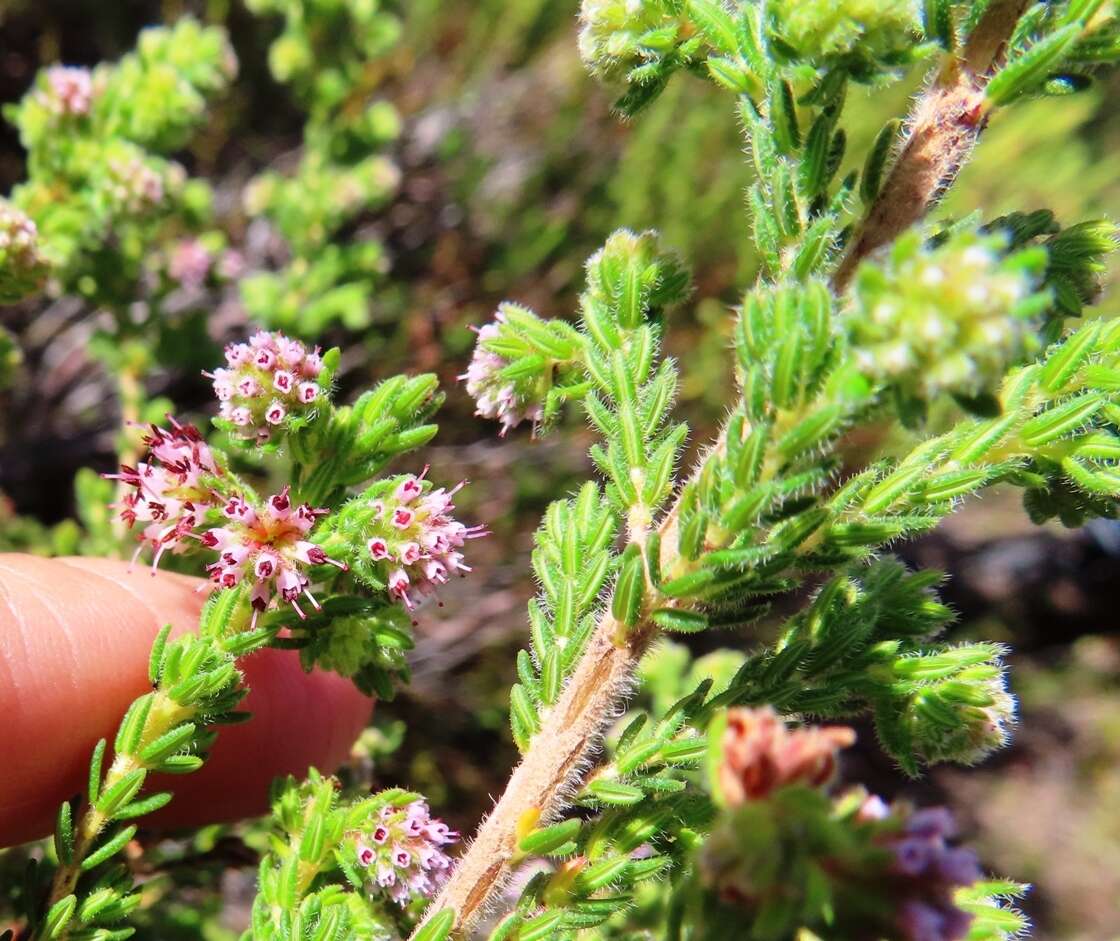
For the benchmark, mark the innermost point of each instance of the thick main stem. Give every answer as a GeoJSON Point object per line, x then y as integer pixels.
{"type": "Point", "coordinates": [560, 754]}
{"type": "Point", "coordinates": [551, 770]}
{"type": "Point", "coordinates": [943, 127]}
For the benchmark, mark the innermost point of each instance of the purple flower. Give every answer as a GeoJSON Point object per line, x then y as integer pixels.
{"type": "Point", "coordinates": [927, 871]}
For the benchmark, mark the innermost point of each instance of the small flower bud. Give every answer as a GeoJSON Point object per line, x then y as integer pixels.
{"type": "Point", "coordinates": [983, 715]}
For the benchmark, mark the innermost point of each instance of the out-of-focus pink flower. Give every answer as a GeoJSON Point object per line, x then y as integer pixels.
{"type": "Point", "coordinates": [69, 91]}
{"type": "Point", "coordinates": [761, 754]}
{"type": "Point", "coordinates": [190, 264]}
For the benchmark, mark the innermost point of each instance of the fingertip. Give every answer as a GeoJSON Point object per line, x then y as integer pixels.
{"type": "Point", "coordinates": [75, 636]}
{"type": "Point", "coordinates": [299, 721]}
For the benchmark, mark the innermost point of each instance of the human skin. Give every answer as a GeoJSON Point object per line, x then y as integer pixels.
{"type": "Point", "coordinates": [75, 635]}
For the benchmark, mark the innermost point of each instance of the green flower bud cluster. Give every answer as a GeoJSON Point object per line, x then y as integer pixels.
{"type": "Point", "coordinates": [822, 31]}
{"type": "Point", "coordinates": [363, 641]}
{"type": "Point", "coordinates": [948, 318]}
{"type": "Point", "coordinates": [634, 263]}
{"type": "Point", "coordinates": [619, 39]}
{"type": "Point", "coordinates": [22, 267]}
{"type": "Point", "coordinates": [958, 708]}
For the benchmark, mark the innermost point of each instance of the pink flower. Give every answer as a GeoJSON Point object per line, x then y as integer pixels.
{"type": "Point", "coordinates": [403, 852]}
{"type": "Point", "coordinates": [169, 492]}
{"type": "Point", "coordinates": [417, 539]}
{"type": "Point", "coordinates": [190, 264]}
{"type": "Point", "coordinates": [495, 397]}
{"type": "Point", "coordinates": [267, 546]}
{"type": "Point", "coordinates": [69, 91]}
{"type": "Point", "coordinates": [265, 381]}
{"type": "Point", "coordinates": [231, 265]}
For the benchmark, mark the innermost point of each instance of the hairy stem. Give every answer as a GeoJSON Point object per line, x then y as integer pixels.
{"type": "Point", "coordinates": [560, 756]}
{"type": "Point", "coordinates": [551, 770]}
{"type": "Point", "coordinates": [943, 127]}
{"type": "Point", "coordinates": [164, 715]}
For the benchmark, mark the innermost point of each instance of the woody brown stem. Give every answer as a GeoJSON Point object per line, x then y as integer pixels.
{"type": "Point", "coordinates": [558, 758]}
{"type": "Point", "coordinates": [944, 125]}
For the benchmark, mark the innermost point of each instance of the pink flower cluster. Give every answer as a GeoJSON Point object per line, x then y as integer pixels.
{"type": "Point", "coordinates": [925, 871]}
{"type": "Point", "coordinates": [189, 264]}
{"type": "Point", "coordinates": [403, 852]}
{"type": "Point", "coordinates": [495, 397]}
{"type": "Point", "coordinates": [169, 492]}
{"type": "Point", "coordinates": [417, 539]}
{"type": "Point", "coordinates": [268, 547]}
{"type": "Point", "coordinates": [69, 91]}
{"type": "Point", "coordinates": [21, 260]}
{"type": "Point", "coordinates": [266, 380]}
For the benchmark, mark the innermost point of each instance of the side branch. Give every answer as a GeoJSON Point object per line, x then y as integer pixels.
{"type": "Point", "coordinates": [944, 126]}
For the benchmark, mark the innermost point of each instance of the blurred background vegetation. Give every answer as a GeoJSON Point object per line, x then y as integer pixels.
{"type": "Point", "coordinates": [513, 170]}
